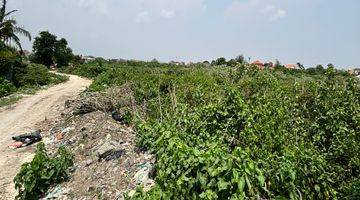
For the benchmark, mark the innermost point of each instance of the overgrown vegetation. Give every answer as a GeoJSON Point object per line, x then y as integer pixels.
{"type": "Point", "coordinates": [241, 132]}
{"type": "Point", "coordinates": [36, 177]}
{"type": "Point", "coordinates": [17, 75]}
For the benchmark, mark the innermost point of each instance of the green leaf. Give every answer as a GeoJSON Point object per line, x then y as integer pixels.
{"type": "Point", "coordinates": [222, 184]}
{"type": "Point", "coordinates": [261, 179]}
{"type": "Point", "coordinates": [241, 184]}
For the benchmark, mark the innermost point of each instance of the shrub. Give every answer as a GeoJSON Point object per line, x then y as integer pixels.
{"type": "Point", "coordinates": [33, 74]}
{"type": "Point", "coordinates": [6, 87]}
{"type": "Point", "coordinates": [245, 133]}
{"type": "Point", "coordinates": [36, 177]}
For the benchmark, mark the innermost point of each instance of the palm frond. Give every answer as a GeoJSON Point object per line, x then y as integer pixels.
{"type": "Point", "coordinates": [17, 42]}
{"type": "Point", "coordinates": [3, 10]}
{"type": "Point", "coordinates": [9, 13]}
{"type": "Point", "coordinates": [22, 31]}
{"type": "Point", "coordinates": [8, 22]}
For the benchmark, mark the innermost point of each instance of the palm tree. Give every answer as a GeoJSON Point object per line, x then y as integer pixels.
{"type": "Point", "coordinates": [9, 28]}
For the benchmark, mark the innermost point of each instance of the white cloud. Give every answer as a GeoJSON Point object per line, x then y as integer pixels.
{"type": "Point", "coordinates": [167, 13]}
{"type": "Point", "coordinates": [280, 13]}
{"type": "Point", "coordinates": [268, 9]}
{"type": "Point", "coordinates": [142, 17]}
{"type": "Point", "coordinates": [98, 6]}
{"type": "Point", "coordinates": [254, 10]}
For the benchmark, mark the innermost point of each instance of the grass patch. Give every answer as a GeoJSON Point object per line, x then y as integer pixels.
{"type": "Point", "coordinates": [5, 101]}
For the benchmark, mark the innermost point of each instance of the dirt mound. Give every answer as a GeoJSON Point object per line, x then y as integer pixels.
{"type": "Point", "coordinates": [107, 101]}
{"type": "Point", "coordinates": [107, 162]}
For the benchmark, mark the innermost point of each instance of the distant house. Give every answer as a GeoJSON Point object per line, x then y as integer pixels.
{"type": "Point", "coordinates": [291, 66]}
{"type": "Point", "coordinates": [355, 72]}
{"type": "Point", "coordinates": [88, 58]}
{"type": "Point", "coordinates": [176, 63]}
{"type": "Point", "coordinates": [189, 63]}
{"type": "Point", "coordinates": [259, 64]}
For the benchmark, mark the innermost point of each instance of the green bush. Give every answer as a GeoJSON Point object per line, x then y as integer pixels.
{"type": "Point", "coordinates": [36, 177]}
{"type": "Point", "coordinates": [244, 133]}
{"type": "Point", "coordinates": [6, 87]}
{"type": "Point", "coordinates": [34, 74]}
{"type": "Point", "coordinates": [37, 75]}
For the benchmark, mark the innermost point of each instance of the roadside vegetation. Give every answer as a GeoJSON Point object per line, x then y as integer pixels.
{"type": "Point", "coordinates": [238, 132]}
{"type": "Point", "coordinates": [20, 72]}
{"type": "Point", "coordinates": [36, 177]}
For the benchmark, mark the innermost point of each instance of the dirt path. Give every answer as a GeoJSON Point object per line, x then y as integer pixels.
{"type": "Point", "coordinates": [22, 117]}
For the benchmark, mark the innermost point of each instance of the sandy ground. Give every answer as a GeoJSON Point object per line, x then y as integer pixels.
{"type": "Point", "coordinates": [22, 117]}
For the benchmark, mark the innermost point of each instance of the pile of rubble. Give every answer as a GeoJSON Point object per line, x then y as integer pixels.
{"type": "Point", "coordinates": [107, 162]}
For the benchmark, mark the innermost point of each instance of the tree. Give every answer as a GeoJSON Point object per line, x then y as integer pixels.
{"type": "Point", "coordinates": [278, 64]}
{"type": "Point", "coordinates": [63, 54]}
{"type": "Point", "coordinates": [268, 65]}
{"type": "Point", "coordinates": [220, 61]}
{"type": "Point", "coordinates": [44, 48]}
{"type": "Point", "coordinates": [206, 62]}
{"type": "Point", "coordinates": [240, 59]}
{"type": "Point", "coordinates": [232, 63]}
{"type": "Point", "coordinates": [300, 66]}
{"type": "Point", "coordinates": [330, 65]}
{"type": "Point", "coordinates": [9, 28]}
{"type": "Point", "coordinates": [48, 50]}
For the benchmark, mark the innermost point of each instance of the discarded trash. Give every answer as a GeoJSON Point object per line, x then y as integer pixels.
{"type": "Point", "coordinates": [117, 116]}
{"type": "Point", "coordinates": [68, 129]}
{"type": "Point", "coordinates": [111, 155]}
{"type": "Point", "coordinates": [56, 193]}
{"type": "Point", "coordinates": [16, 145]}
{"type": "Point", "coordinates": [88, 163]}
{"type": "Point", "coordinates": [59, 136]}
{"type": "Point", "coordinates": [143, 175]}
{"type": "Point", "coordinates": [29, 139]}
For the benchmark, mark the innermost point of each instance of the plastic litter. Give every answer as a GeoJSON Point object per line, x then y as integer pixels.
{"type": "Point", "coordinates": [59, 136]}
{"type": "Point", "coordinates": [28, 139]}
{"type": "Point", "coordinates": [116, 115]}
{"type": "Point", "coordinates": [56, 193]}
{"type": "Point", "coordinates": [68, 129]}
{"type": "Point", "coordinates": [16, 145]}
{"type": "Point", "coordinates": [111, 155]}
{"type": "Point", "coordinates": [143, 175]}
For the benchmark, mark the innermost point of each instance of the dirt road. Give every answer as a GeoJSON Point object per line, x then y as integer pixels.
{"type": "Point", "coordinates": [22, 117]}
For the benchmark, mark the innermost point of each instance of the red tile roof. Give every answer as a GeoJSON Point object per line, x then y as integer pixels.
{"type": "Point", "coordinates": [290, 66]}
{"type": "Point", "coordinates": [258, 63]}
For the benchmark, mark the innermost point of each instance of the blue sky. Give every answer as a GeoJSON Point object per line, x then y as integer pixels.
{"type": "Point", "coordinates": [310, 31]}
